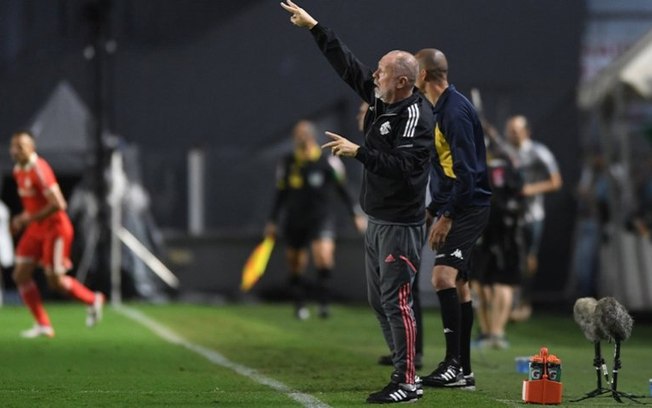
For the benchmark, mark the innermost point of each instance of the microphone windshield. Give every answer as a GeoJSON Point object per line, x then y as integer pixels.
{"type": "Point", "coordinates": [584, 313]}
{"type": "Point", "coordinates": [613, 319]}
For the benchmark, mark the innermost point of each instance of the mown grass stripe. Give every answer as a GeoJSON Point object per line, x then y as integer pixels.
{"type": "Point", "coordinates": [214, 357]}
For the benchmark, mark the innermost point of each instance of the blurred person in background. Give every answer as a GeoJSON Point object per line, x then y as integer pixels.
{"type": "Point", "coordinates": [641, 219]}
{"type": "Point", "coordinates": [306, 181]}
{"type": "Point", "coordinates": [458, 211]}
{"type": "Point", "coordinates": [498, 259]}
{"type": "Point", "coordinates": [46, 239]}
{"type": "Point", "coordinates": [592, 216]}
{"type": "Point", "coordinates": [541, 176]}
{"type": "Point", "coordinates": [396, 151]}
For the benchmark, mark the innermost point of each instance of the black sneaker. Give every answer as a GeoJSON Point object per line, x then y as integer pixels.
{"type": "Point", "coordinates": [469, 383]}
{"type": "Point", "coordinates": [387, 361]}
{"type": "Point", "coordinates": [394, 392]}
{"type": "Point", "coordinates": [447, 374]}
{"type": "Point", "coordinates": [419, 384]}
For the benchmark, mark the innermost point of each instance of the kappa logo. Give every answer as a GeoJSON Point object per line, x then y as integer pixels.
{"type": "Point", "coordinates": [457, 254]}
{"type": "Point", "coordinates": [385, 128]}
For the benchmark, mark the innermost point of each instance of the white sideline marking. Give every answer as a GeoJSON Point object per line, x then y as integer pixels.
{"type": "Point", "coordinates": [214, 357]}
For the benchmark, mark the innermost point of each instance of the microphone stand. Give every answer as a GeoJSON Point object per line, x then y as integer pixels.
{"type": "Point", "coordinates": [614, 384]}
{"type": "Point", "coordinates": [600, 366]}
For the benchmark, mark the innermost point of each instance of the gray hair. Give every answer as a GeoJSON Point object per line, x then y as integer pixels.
{"type": "Point", "coordinates": [405, 64]}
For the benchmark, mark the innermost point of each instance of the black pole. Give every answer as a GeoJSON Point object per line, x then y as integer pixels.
{"type": "Point", "coordinates": [614, 378]}
{"type": "Point", "coordinates": [617, 365]}
{"type": "Point", "coordinates": [97, 13]}
{"type": "Point", "coordinates": [598, 362]}
{"type": "Point", "coordinates": [599, 365]}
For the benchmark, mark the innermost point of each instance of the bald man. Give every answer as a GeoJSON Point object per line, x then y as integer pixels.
{"type": "Point", "coordinates": [396, 157]}
{"type": "Point", "coordinates": [459, 209]}
{"type": "Point", "coordinates": [46, 239]}
{"type": "Point", "coordinates": [306, 181]}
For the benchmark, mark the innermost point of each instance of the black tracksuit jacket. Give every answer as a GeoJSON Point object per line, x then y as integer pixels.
{"type": "Point", "coordinates": [398, 141]}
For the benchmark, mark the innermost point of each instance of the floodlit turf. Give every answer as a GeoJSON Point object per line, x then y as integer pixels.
{"type": "Point", "coordinates": [122, 364]}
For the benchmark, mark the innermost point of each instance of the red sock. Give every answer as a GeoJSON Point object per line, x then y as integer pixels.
{"type": "Point", "coordinates": [77, 290]}
{"type": "Point", "coordinates": [32, 298]}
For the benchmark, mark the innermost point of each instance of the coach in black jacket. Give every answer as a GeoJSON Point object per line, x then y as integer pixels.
{"type": "Point", "coordinates": [396, 157]}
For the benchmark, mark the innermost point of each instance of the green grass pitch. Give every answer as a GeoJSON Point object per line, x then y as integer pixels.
{"type": "Point", "coordinates": [121, 363]}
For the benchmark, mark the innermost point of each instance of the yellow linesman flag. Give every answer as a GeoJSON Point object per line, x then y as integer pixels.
{"type": "Point", "coordinates": [255, 266]}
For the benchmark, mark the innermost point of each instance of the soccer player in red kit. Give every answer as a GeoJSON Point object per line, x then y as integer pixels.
{"type": "Point", "coordinates": [46, 239]}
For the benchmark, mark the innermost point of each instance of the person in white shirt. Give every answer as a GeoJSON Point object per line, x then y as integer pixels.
{"type": "Point", "coordinates": [541, 176]}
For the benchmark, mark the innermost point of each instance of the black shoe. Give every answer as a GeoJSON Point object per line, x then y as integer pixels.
{"type": "Point", "coordinates": [387, 361]}
{"type": "Point", "coordinates": [419, 383]}
{"type": "Point", "coordinates": [469, 383]}
{"type": "Point", "coordinates": [394, 392]}
{"type": "Point", "coordinates": [447, 374]}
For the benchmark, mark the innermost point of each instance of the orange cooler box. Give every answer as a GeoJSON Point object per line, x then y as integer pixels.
{"type": "Point", "coordinates": [543, 385]}
{"type": "Point", "coordinates": [542, 392]}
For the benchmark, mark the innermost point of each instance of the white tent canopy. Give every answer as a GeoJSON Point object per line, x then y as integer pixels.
{"type": "Point", "coordinates": [633, 68]}
{"type": "Point", "coordinates": [63, 130]}
{"type": "Point", "coordinates": [626, 258]}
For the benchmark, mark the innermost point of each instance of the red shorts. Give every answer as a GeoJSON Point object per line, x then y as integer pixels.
{"type": "Point", "coordinates": [49, 245]}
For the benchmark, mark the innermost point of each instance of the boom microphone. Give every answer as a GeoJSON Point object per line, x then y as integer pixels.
{"type": "Point", "coordinates": [584, 311]}
{"type": "Point", "coordinates": [613, 319]}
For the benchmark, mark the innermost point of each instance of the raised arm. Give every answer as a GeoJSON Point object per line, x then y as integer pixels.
{"type": "Point", "coordinates": [356, 74]}
{"type": "Point", "coordinates": [300, 17]}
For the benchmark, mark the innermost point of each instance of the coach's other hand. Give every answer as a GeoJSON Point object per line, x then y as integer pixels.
{"type": "Point", "coordinates": [300, 17]}
{"type": "Point", "coordinates": [341, 146]}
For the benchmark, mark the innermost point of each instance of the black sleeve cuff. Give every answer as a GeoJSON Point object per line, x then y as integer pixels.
{"type": "Point", "coordinates": [448, 212]}
{"type": "Point", "coordinates": [361, 154]}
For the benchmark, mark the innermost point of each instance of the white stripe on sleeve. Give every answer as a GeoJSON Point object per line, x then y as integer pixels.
{"type": "Point", "coordinates": [413, 118]}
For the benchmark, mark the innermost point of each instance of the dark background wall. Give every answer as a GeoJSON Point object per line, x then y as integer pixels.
{"type": "Point", "coordinates": [232, 78]}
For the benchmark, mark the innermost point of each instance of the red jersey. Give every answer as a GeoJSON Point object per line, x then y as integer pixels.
{"type": "Point", "coordinates": [33, 181]}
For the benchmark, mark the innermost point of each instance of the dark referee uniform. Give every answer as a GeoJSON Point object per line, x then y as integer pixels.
{"type": "Point", "coordinates": [304, 190]}
{"type": "Point", "coordinates": [499, 255]}
{"type": "Point", "coordinates": [459, 188]}
{"type": "Point", "coordinates": [459, 185]}
{"type": "Point", "coordinates": [396, 159]}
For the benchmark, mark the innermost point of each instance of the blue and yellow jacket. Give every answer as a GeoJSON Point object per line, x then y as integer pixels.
{"type": "Point", "coordinates": [458, 177]}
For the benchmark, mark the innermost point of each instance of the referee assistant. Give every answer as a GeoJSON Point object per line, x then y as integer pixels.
{"type": "Point", "coordinates": [306, 181]}
{"type": "Point", "coordinates": [461, 195]}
